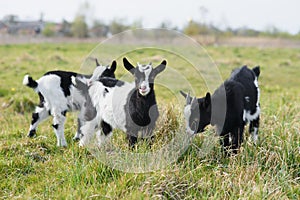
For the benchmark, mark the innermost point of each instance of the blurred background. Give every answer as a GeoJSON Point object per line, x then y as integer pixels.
{"type": "Point", "coordinates": [232, 22]}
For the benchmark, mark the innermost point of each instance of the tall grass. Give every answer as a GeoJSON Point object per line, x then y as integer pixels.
{"type": "Point", "coordinates": [37, 169]}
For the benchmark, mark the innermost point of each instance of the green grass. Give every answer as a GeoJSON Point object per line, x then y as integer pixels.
{"type": "Point", "coordinates": [36, 168]}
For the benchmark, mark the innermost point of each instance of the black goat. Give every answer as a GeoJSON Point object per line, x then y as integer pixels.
{"type": "Point", "coordinates": [232, 105]}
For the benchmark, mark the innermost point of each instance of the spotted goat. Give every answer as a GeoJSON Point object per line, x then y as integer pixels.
{"type": "Point", "coordinates": [130, 107]}
{"type": "Point", "coordinates": [58, 96]}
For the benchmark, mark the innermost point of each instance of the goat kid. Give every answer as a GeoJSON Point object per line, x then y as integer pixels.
{"type": "Point", "coordinates": [232, 105]}
{"type": "Point", "coordinates": [131, 107]}
{"type": "Point", "coordinates": [58, 96]}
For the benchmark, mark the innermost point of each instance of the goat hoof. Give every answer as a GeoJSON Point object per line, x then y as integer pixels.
{"type": "Point", "coordinates": [62, 145]}
{"type": "Point", "coordinates": [82, 144]}
{"type": "Point", "coordinates": [31, 133]}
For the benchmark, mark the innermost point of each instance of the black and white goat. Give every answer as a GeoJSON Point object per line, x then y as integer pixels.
{"type": "Point", "coordinates": [112, 103]}
{"type": "Point", "coordinates": [237, 100]}
{"type": "Point", "coordinates": [58, 96]}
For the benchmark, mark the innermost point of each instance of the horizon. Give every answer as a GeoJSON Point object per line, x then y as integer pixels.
{"type": "Point", "coordinates": [254, 14]}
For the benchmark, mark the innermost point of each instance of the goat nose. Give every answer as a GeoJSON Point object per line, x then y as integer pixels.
{"type": "Point", "coordinates": [143, 87]}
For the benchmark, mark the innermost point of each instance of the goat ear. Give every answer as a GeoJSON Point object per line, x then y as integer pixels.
{"type": "Point", "coordinates": [183, 93]}
{"type": "Point", "coordinates": [97, 63]}
{"type": "Point", "coordinates": [128, 66]}
{"type": "Point", "coordinates": [82, 87]}
{"type": "Point", "coordinates": [187, 97]}
{"type": "Point", "coordinates": [160, 67]}
{"type": "Point", "coordinates": [207, 100]}
{"type": "Point", "coordinates": [113, 66]}
{"type": "Point", "coordinates": [256, 70]}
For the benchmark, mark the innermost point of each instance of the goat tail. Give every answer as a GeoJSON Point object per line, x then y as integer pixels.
{"type": "Point", "coordinates": [29, 82]}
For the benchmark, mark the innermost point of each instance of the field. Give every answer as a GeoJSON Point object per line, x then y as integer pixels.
{"type": "Point", "coordinates": [34, 168]}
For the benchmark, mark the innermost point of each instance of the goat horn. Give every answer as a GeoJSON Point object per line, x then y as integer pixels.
{"type": "Point", "coordinates": [97, 63]}
{"type": "Point", "coordinates": [194, 100]}
{"type": "Point", "coordinates": [188, 98]}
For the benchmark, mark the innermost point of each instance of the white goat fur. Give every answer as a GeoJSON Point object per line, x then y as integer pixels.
{"type": "Point", "coordinates": [57, 104]}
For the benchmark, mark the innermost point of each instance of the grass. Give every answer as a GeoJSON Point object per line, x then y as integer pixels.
{"type": "Point", "coordinates": [37, 169]}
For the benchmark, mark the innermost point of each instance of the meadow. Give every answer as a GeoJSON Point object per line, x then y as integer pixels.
{"type": "Point", "coordinates": [34, 168]}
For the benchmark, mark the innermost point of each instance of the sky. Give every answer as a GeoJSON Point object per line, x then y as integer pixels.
{"type": "Point", "coordinates": [256, 14]}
